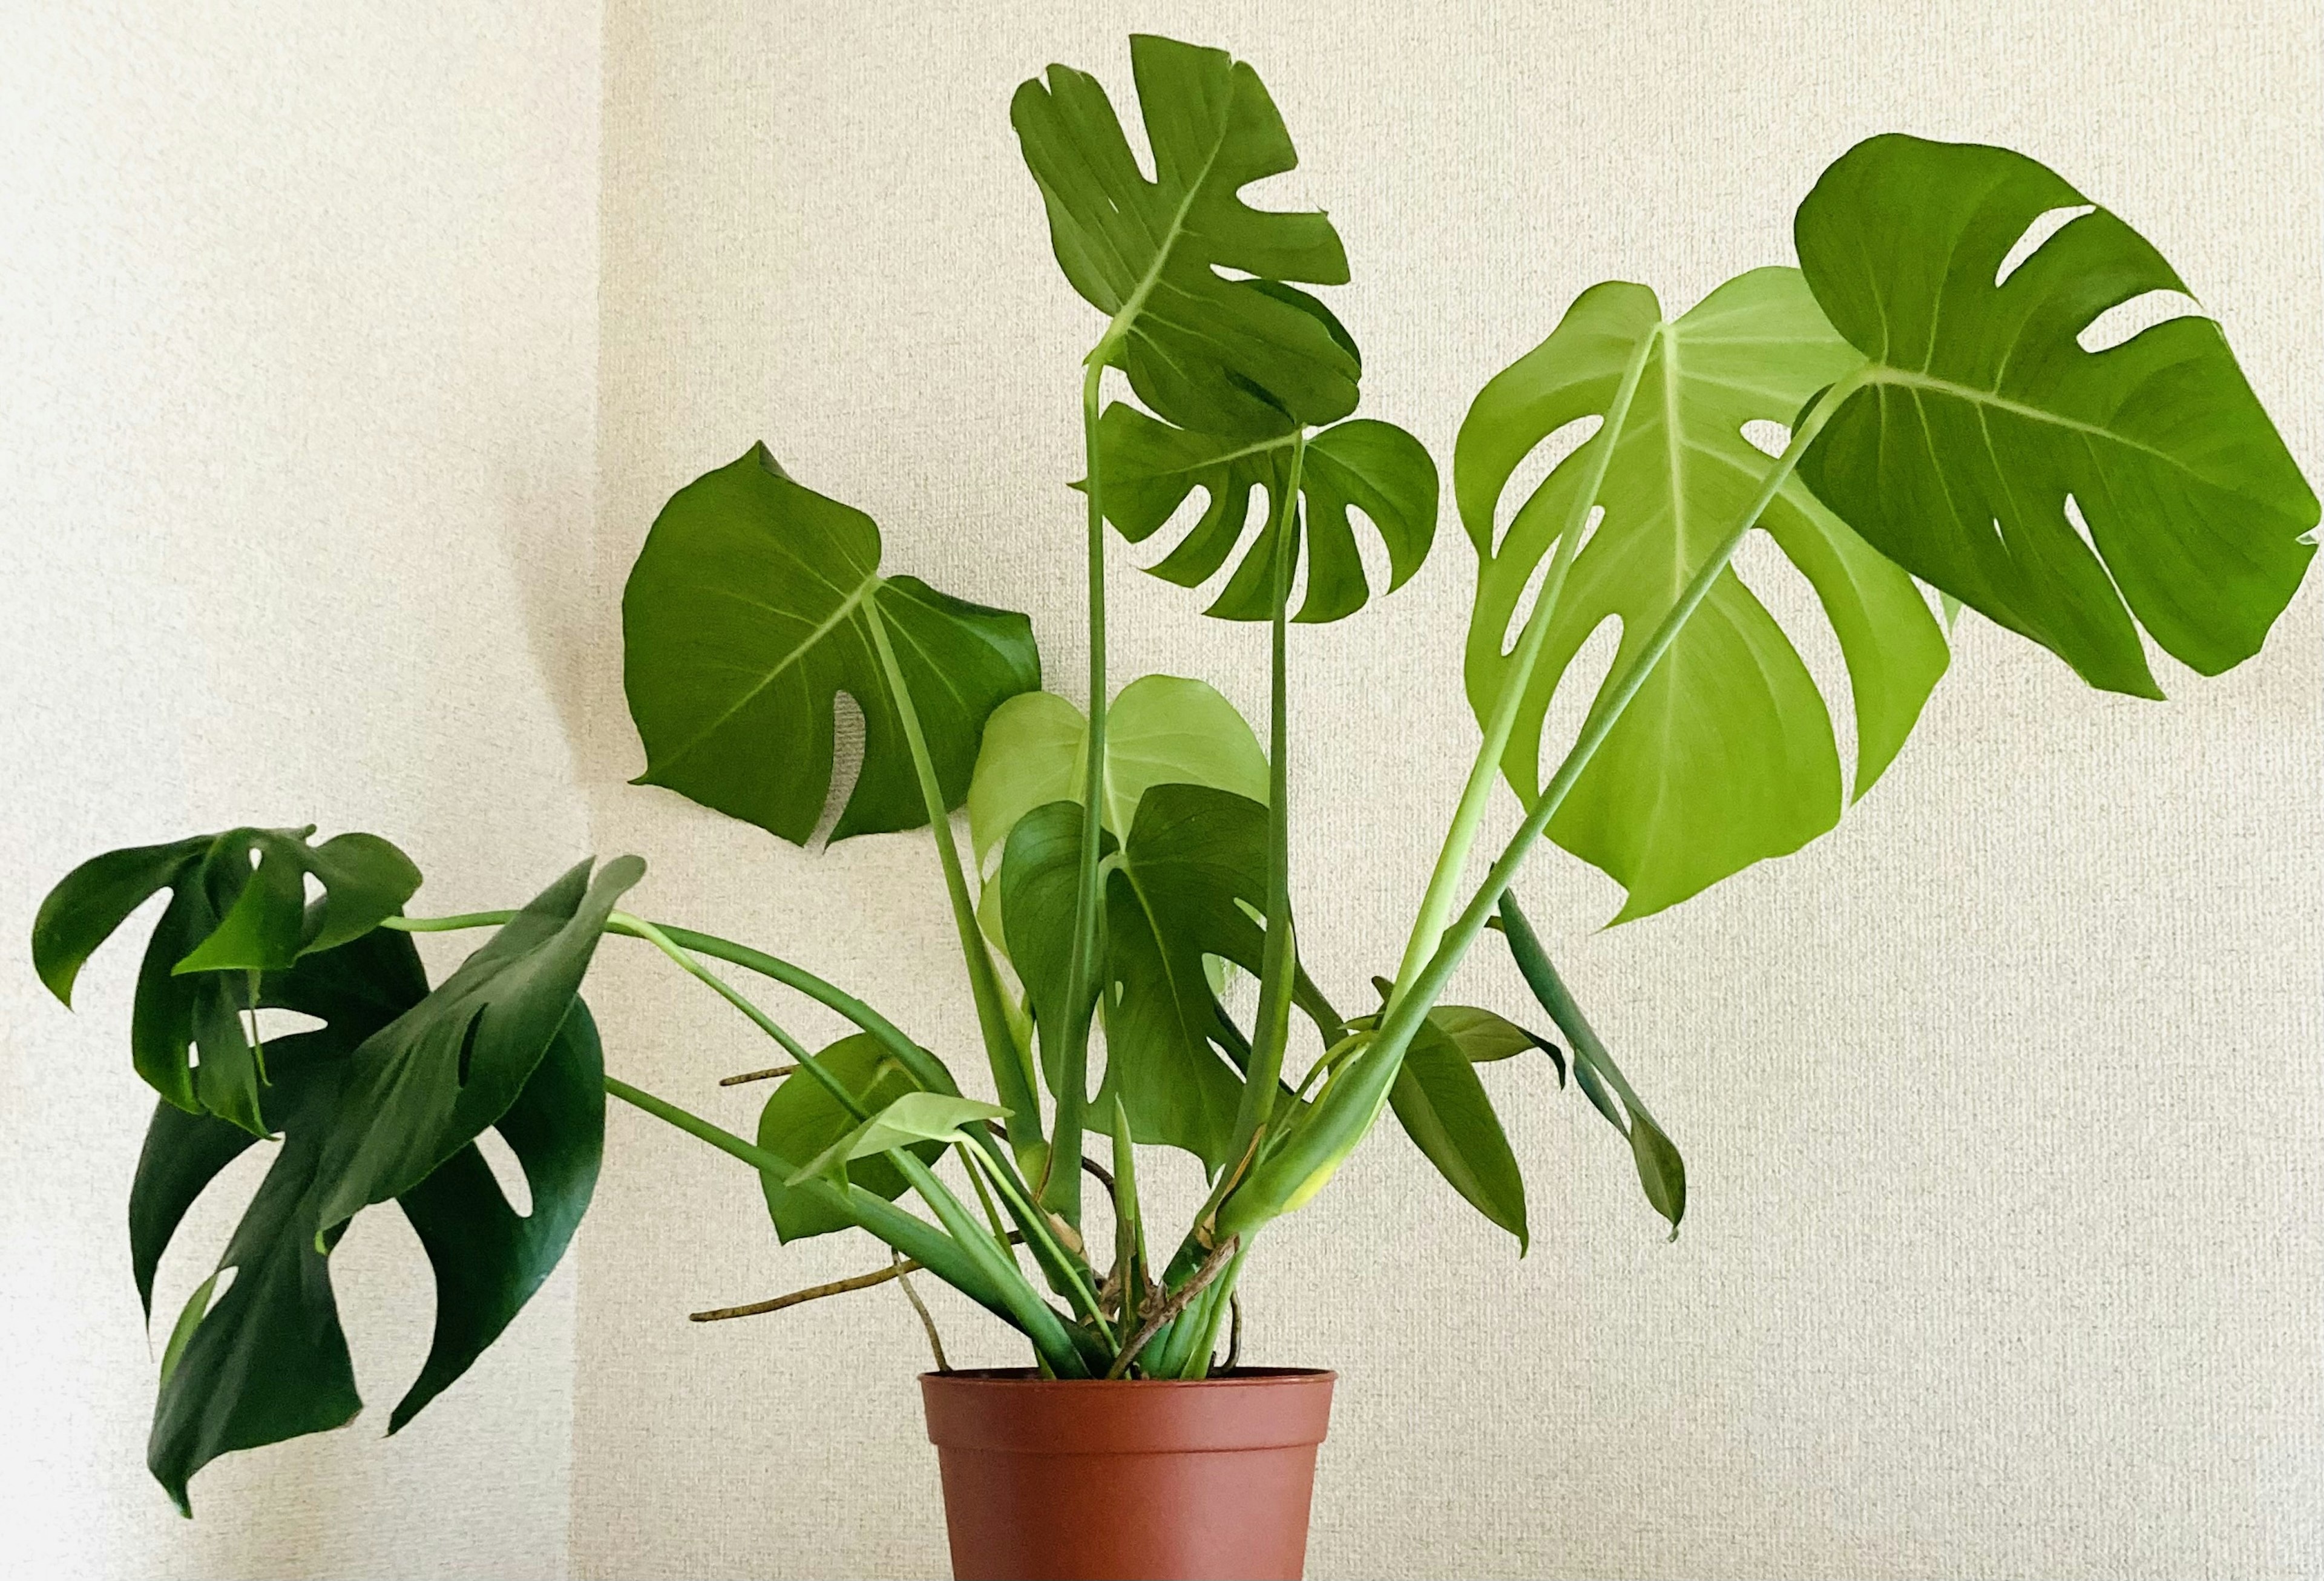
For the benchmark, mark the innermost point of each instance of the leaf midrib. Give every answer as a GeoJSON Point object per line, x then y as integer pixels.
{"type": "Point", "coordinates": [1119, 329]}
{"type": "Point", "coordinates": [847, 608]}
{"type": "Point", "coordinates": [1887, 373]}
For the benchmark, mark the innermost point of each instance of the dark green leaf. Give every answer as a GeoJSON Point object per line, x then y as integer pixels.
{"type": "Point", "coordinates": [1661, 1173]}
{"type": "Point", "coordinates": [1207, 352]}
{"type": "Point", "coordinates": [226, 920]}
{"type": "Point", "coordinates": [1726, 754]}
{"type": "Point", "coordinates": [1148, 468]}
{"type": "Point", "coordinates": [802, 1118]}
{"type": "Point", "coordinates": [488, 1258]}
{"type": "Point", "coordinates": [422, 1087]}
{"type": "Point", "coordinates": [1986, 428]}
{"type": "Point", "coordinates": [1444, 1109]}
{"type": "Point", "coordinates": [752, 607]}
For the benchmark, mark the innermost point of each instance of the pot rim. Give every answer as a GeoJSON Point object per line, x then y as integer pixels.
{"type": "Point", "coordinates": [1019, 1377]}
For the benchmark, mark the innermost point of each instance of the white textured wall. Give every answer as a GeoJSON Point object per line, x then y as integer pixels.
{"type": "Point", "coordinates": [2001, 1108]}
{"type": "Point", "coordinates": [298, 325]}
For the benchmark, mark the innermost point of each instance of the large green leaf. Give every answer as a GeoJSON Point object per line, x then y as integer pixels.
{"type": "Point", "coordinates": [238, 906]}
{"type": "Point", "coordinates": [802, 1119]}
{"type": "Point", "coordinates": [422, 1087]}
{"type": "Point", "coordinates": [1189, 881]}
{"type": "Point", "coordinates": [754, 603]}
{"type": "Point", "coordinates": [267, 1360]}
{"type": "Point", "coordinates": [1986, 428]}
{"type": "Point", "coordinates": [1206, 351]}
{"type": "Point", "coordinates": [1727, 755]}
{"type": "Point", "coordinates": [1661, 1173]}
{"type": "Point", "coordinates": [1148, 468]}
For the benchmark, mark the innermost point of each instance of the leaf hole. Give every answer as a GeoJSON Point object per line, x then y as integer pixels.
{"type": "Point", "coordinates": [1578, 687]}
{"type": "Point", "coordinates": [847, 734]}
{"type": "Point", "coordinates": [1533, 472]}
{"type": "Point", "coordinates": [313, 887]}
{"type": "Point", "coordinates": [2046, 223]}
{"type": "Point", "coordinates": [507, 1172]}
{"type": "Point", "coordinates": [1530, 593]}
{"type": "Point", "coordinates": [274, 1022]}
{"type": "Point", "coordinates": [1769, 439]}
{"type": "Point", "coordinates": [468, 1045]}
{"type": "Point", "coordinates": [1783, 590]}
{"type": "Point", "coordinates": [2125, 321]}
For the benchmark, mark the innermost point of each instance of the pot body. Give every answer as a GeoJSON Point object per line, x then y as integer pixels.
{"type": "Point", "coordinates": [1082, 1480]}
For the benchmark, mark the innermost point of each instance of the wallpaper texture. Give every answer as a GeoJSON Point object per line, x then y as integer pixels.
{"type": "Point", "coordinates": [2001, 1105]}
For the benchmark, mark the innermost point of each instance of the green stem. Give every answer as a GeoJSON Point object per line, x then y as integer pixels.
{"type": "Point", "coordinates": [1452, 860]}
{"type": "Point", "coordinates": [1009, 1075]}
{"type": "Point", "coordinates": [1040, 1323]}
{"type": "Point", "coordinates": [1352, 1096]}
{"type": "Point", "coordinates": [1061, 1191]}
{"type": "Point", "coordinates": [1037, 1233]}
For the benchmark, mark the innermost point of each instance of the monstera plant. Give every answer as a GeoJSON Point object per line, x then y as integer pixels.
{"type": "Point", "coordinates": [1927, 413]}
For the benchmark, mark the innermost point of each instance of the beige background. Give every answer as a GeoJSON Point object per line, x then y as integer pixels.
{"type": "Point", "coordinates": [2001, 1106]}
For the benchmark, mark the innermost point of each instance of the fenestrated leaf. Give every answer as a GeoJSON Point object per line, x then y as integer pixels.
{"type": "Point", "coordinates": [1148, 468]}
{"type": "Point", "coordinates": [488, 1258]}
{"type": "Point", "coordinates": [226, 920]}
{"type": "Point", "coordinates": [802, 1119]}
{"type": "Point", "coordinates": [1444, 1109]}
{"type": "Point", "coordinates": [1206, 351]}
{"type": "Point", "coordinates": [1985, 428]}
{"type": "Point", "coordinates": [1661, 1173]}
{"type": "Point", "coordinates": [422, 1087]}
{"type": "Point", "coordinates": [906, 1122]}
{"type": "Point", "coordinates": [1190, 881]}
{"type": "Point", "coordinates": [1727, 755]}
{"type": "Point", "coordinates": [268, 1361]}
{"type": "Point", "coordinates": [752, 607]}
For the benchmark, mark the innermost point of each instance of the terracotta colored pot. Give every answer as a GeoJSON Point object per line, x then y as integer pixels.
{"type": "Point", "coordinates": [1085, 1480]}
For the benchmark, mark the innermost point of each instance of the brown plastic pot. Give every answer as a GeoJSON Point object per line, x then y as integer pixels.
{"type": "Point", "coordinates": [1072, 1480]}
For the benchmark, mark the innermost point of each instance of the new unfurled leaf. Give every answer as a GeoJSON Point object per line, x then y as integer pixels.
{"type": "Point", "coordinates": [752, 605]}
{"type": "Point", "coordinates": [2074, 496]}
{"type": "Point", "coordinates": [1207, 352]}
{"type": "Point", "coordinates": [906, 1121]}
{"type": "Point", "coordinates": [802, 1119]}
{"type": "Point", "coordinates": [1727, 755]}
{"type": "Point", "coordinates": [1376, 469]}
{"type": "Point", "coordinates": [238, 906]}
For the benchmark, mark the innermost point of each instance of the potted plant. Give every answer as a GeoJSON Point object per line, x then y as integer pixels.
{"type": "Point", "coordinates": [1937, 408]}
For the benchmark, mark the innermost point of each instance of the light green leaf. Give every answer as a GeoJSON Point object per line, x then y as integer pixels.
{"type": "Point", "coordinates": [908, 1121]}
{"type": "Point", "coordinates": [749, 611]}
{"type": "Point", "coordinates": [1206, 351]}
{"type": "Point", "coordinates": [1727, 755]}
{"type": "Point", "coordinates": [1986, 428]}
{"type": "Point", "coordinates": [802, 1120]}
{"type": "Point", "coordinates": [1148, 468]}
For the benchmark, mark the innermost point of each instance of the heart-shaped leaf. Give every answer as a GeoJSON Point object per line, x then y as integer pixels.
{"type": "Point", "coordinates": [1206, 351]}
{"type": "Point", "coordinates": [238, 906]}
{"type": "Point", "coordinates": [265, 1360]}
{"type": "Point", "coordinates": [1190, 881]}
{"type": "Point", "coordinates": [802, 1120]}
{"type": "Point", "coordinates": [1148, 470]}
{"type": "Point", "coordinates": [906, 1121]}
{"type": "Point", "coordinates": [423, 1086]}
{"type": "Point", "coordinates": [1985, 431]}
{"type": "Point", "coordinates": [1727, 755]}
{"type": "Point", "coordinates": [754, 603]}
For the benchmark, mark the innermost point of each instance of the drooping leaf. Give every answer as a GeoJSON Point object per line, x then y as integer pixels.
{"type": "Point", "coordinates": [802, 1120]}
{"type": "Point", "coordinates": [1445, 1110]}
{"type": "Point", "coordinates": [267, 1361]}
{"type": "Point", "coordinates": [1484, 1037]}
{"type": "Point", "coordinates": [489, 1258]}
{"type": "Point", "coordinates": [1190, 881]}
{"type": "Point", "coordinates": [1986, 430]}
{"type": "Point", "coordinates": [1148, 468]}
{"type": "Point", "coordinates": [908, 1121]}
{"type": "Point", "coordinates": [1728, 755]}
{"type": "Point", "coordinates": [754, 603]}
{"type": "Point", "coordinates": [1661, 1173]}
{"type": "Point", "coordinates": [1207, 352]}
{"type": "Point", "coordinates": [238, 906]}
{"type": "Point", "coordinates": [422, 1087]}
